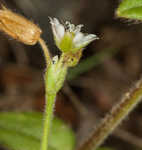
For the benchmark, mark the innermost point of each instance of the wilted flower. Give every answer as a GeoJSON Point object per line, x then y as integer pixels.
{"type": "Point", "coordinates": [18, 27]}
{"type": "Point", "coordinates": [68, 37]}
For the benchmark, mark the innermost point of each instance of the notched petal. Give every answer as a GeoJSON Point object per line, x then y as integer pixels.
{"type": "Point", "coordinates": [86, 40]}
{"type": "Point", "coordinates": [90, 37]}
{"type": "Point", "coordinates": [78, 37]}
{"type": "Point", "coordinates": [57, 28]}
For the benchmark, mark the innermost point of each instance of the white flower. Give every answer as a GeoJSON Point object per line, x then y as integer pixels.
{"type": "Point", "coordinates": [69, 37]}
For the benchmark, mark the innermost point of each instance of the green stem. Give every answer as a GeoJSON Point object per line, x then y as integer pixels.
{"type": "Point", "coordinates": [49, 106]}
{"type": "Point", "coordinates": [54, 78]}
{"type": "Point", "coordinates": [45, 50]}
{"type": "Point", "coordinates": [50, 100]}
{"type": "Point", "coordinates": [114, 118]}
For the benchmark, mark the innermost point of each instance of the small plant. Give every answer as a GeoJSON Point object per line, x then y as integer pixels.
{"type": "Point", "coordinates": [71, 42]}
{"type": "Point", "coordinates": [69, 39]}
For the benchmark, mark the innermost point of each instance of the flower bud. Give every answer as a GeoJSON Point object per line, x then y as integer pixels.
{"type": "Point", "coordinates": [18, 27]}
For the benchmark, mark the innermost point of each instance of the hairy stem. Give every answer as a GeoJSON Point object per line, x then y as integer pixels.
{"type": "Point", "coordinates": [45, 50]}
{"type": "Point", "coordinates": [50, 100]}
{"type": "Point", "coordinates": [54, 78]}
{"type": "Point", "coordinates": [49, 106]}
{"type": "Point", "coordinates": [114, 118]}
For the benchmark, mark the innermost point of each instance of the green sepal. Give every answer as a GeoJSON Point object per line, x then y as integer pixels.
{"type": "Point", "coordinates": [55, 76]}
{"type": "Point", "coordinates": [66, 43]}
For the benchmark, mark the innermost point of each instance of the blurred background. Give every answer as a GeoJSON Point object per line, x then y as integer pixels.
{"type": "Point", "coordinates": [108, 68]}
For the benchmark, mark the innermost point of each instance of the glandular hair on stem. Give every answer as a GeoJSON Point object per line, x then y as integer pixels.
{"type": "Point", "coordinates": [114, 117]}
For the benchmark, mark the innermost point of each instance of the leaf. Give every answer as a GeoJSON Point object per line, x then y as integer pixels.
{"type": "Point", "coordinates": [130, 9]}
{"type": "Point", "coordinates": [23, 131]}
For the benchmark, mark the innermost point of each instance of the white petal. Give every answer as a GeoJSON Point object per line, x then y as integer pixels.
{"type": "Point", "coordinates": [57, 28]}
{"type": "Point", "coordinates": [86, 40]}
{"type": "Point", "coordinates": [90, 37]}
{"type": "Point", "coordinates": [55, 21]}
{"type": "Point", "coordinates": [78, 38]}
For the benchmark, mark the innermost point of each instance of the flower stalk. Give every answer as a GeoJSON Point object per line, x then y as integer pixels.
{"type": "Point", "coordinates": [70, 41]}
{"type": "Point", "coordinates": [114, 118]}
{"type": "Point", "coordinates": [45, 50]}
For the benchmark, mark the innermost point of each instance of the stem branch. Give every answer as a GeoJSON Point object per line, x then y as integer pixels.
{"type": "Point", "coordinates": [114, 118]}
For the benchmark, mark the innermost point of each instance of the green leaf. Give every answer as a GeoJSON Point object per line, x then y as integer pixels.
{"type": "Point", "coordinates": [130, 9]}
{"type": "Point", "coordinates": [23, 131]}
